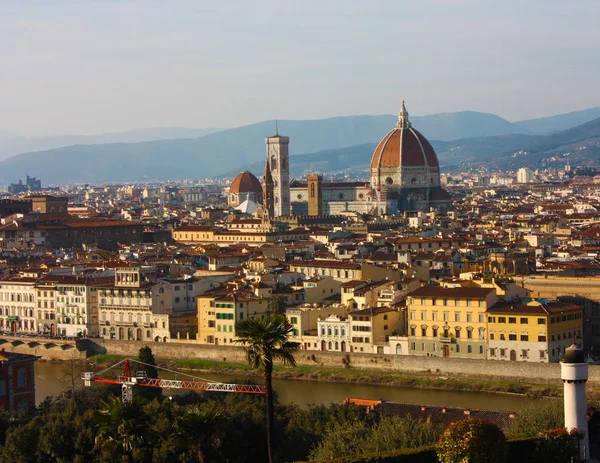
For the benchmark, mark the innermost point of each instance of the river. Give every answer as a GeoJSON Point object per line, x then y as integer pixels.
{"type": "Point", "coordinates": [53, 378]}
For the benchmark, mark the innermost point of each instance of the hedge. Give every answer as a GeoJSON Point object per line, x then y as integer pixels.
{"type": "Point", "coordinates": [520, 450]}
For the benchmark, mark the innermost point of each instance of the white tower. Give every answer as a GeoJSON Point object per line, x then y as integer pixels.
{"type": "Point", "coordinates": [574, 373]}
{"type": "Point", "coordinates": [279, 163]}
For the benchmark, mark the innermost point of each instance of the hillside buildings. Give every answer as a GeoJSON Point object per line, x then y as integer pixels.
{"type": "Point", "coordinates": [505, 271]}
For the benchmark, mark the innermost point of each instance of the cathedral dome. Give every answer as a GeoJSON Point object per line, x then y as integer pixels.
{"type": "Point", "coordinates": [403, 146]}
{"type": "Point", "coordinates": [245, 182]}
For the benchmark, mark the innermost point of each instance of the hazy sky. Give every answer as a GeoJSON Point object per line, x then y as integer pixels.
{"type": "Point", "coordinates": [99, 66]}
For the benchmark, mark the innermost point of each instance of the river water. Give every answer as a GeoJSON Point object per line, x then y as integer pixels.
{"type": "Point", "coordinates": [53, 378]}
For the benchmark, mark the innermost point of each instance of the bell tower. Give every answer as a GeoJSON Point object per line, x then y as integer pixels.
{"type": "Point", "coordinates": [279, 165]}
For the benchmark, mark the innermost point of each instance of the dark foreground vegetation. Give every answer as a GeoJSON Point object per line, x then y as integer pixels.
{"type": "Point", "coordinates": [93, 425]}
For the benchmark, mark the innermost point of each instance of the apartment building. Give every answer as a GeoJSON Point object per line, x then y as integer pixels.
{"type": "Point", "coordinates": [218, 314]}
{"type": "Point", "coordinates": [449, 322]}
{"type": "Point", "coordinates": [533, 330]}
{"type": "Point", "coordinates": [45, 307]}
{"type": "Point", "coordinates": [135, 306]}
{"type": "Point", "coordinates": [334, 333]}
{"type": "Point", "coordinates": [371, 328]}
{"type": "Point", "coordinates": [17, 305]}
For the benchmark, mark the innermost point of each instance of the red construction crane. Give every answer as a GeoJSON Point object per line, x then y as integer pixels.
{"type": "Point", "coordinates": [127, 380]}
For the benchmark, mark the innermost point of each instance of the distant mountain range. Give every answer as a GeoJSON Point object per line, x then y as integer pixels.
{"type": "Point", "coordinates": [580, 145]}
{"type": "Point", "coordinates": [12, 144]}
{"type": "Point", "coordinates": [463, 139]}
{"type": "Point", "coordinates": [559, 122]}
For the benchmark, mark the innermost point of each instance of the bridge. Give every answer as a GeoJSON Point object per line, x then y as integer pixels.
{"type": "Point", "coordinates": [47, 348]}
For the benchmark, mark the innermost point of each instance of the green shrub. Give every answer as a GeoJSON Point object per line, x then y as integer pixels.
{"type": "Point", "coordinates": [472, 440]}
{"type": "Point", "coordinates": [558, 445]}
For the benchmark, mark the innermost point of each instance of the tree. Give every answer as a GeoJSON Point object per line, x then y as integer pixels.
{"type": "Point", "coordinates": [123, 430]}
{"type": "Point", "coordinates": [472, 440]}
{"type": "Point", "coordinates": [146, 356]}
{"type": "Point", "coordinates": [267, 340]}
{"type": "Point", "coordinates": [277, 304]}
{"type": "Point", "coordinates": [196, 426]}
{"type": "Point", "coordinates": [537, 418]}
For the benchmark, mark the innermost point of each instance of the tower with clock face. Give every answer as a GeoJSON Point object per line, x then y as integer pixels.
{"type": "Point", "coordinates": [279, 164]}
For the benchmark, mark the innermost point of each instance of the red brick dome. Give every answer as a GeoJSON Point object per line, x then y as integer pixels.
{"type": "Point", "coordinates": [245, 182]}
{"type": "Point", "coordinates": [404, 146]}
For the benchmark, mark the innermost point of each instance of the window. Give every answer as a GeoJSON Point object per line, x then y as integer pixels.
{"type": "Point", "coordinates": [469, 349]}
{"type": "Point", "coordinates": [412, 314]}
{"type": "Point", "coordinates": [469, 318]}
{"type": "Point", "coordinates": [424, 331]}
{"type": "Point", "coordinates": [434, 316]}
{"type": "Point", "coordinates": [542, 354]}
{"type": "Point", "coordinates": [423, 315]}
{"type": "Point", "coordinates": [492, 335]}
{"type": "Point", "coordinates": [434, 301]}
{"type": "Point", "coordinates": [446, 316]}
{"type": "Point", "coordinates": [435, 332]}
{"type": "Point", "coordinates": [501, 319]}
{"type": "Point", "coordinates": [524, 321]}
{"type": "Point", "coordinates": [469, 334]}
{"type": "Point", "coordinates": [21, 378]}
{"type": "Point", "coordinates": [502, 352]}
{"type": "Point", "coordinates": [525, 353]}
{"type": "Point", "coordinates": [456, 317]}
{"type": "Point", "coordinates": [502, 337]}
{"type": "Point", "coordinates": [492, 352]}
{"type": "Point", "coordinates": [541, 321]}
{"type": "Point", "coordinates": [445, 302]}
{"type": "Point", "coordinates": [481, 349]}
{"type": "Point", "coordinates": [542, 337]}
{"type": "Point", "coordinates": [524, 337]}
{"type": "Point", "coordinates": [412, 331]}
{"type": "Point", "coordinates": [512, 319]}
{"type": "Point", "coordinates": [512, 336]}
{"type": "Point", "coordinates": [491, 319]}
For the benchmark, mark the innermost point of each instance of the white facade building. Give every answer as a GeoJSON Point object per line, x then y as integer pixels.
{"type": "Point", "coordinates": [524, 175]}
{"type": "Point", "coordinates": [17, 305]}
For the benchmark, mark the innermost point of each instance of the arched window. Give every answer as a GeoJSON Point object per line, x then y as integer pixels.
{"type": "Point", "coordinates": [330, 345]}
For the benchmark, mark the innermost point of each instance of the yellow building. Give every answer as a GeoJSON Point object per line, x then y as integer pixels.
{"type": "Point", "coordinates": [218, 314]}
{"type": "Point", "coordinates": [449, 322]}
{"type": "Point", "coordinates": [194, 234]}
{"type": "Point", "coordinates": [371, 328]}
{"type": "Point", "coordinates": [533, 330]}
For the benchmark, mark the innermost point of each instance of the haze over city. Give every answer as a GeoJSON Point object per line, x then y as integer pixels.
{"type": "Point", "coordinates": [84, 67]}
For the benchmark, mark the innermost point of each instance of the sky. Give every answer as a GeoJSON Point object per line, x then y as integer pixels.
{"type": "Point", "coordinates": [96, 66]}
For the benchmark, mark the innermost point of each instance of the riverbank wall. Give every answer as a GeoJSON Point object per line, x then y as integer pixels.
{"type": "Point", "coordinates": [436, 365]}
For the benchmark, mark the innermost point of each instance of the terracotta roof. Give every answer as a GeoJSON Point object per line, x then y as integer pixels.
{"type": "Point", "coordinates": [438, 291]}
{"type": "Point", "coordinates": [245, 182]}
{"type": "Point", "coordinates": [404, 147]}
{"type": "Point", "coordinates": [442, 415]}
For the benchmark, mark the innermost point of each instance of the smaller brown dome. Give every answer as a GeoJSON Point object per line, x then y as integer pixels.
{"type": "Point", "coordinates": [245, 182]}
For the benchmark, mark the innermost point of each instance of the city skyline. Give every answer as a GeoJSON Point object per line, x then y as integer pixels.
{"type": "Point", "coordinates": [96, 67]}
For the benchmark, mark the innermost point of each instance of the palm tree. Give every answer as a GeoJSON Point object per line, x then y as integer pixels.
{"type": "Point", "coordinates": [267, 340]}
{"type": "Point", "coordinates": [196, 426]}
{"type": "Point", "coordinates": [123, 428]}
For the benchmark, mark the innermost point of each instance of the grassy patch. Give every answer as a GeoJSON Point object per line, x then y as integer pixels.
{"type": "Point", "coordinates": [358, 376]}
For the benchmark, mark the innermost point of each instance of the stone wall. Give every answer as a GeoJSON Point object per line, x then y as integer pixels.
{"type": "Point", "coordinates": [439, 365]}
